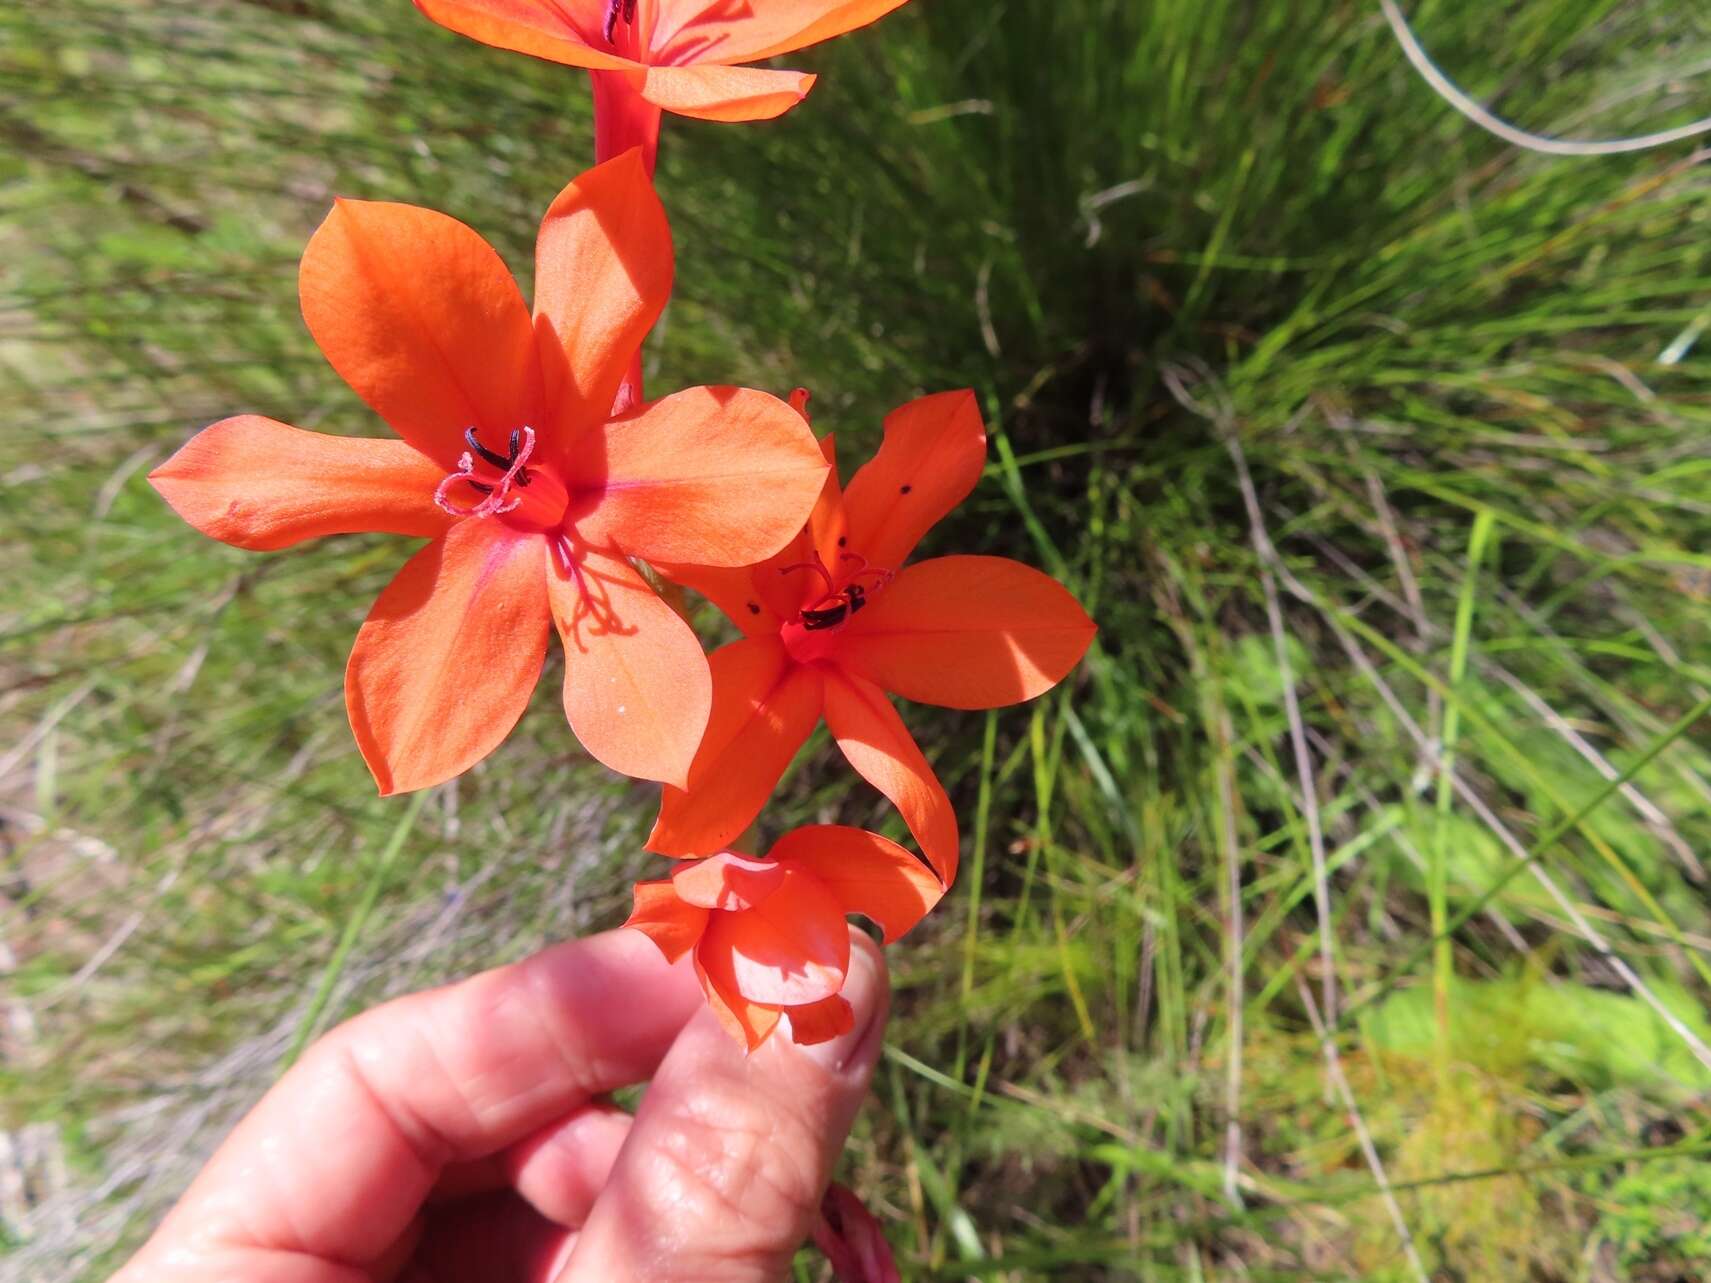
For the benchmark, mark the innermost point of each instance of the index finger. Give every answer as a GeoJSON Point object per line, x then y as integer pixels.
{"type": "Point", "coordinates": [337, 1158]}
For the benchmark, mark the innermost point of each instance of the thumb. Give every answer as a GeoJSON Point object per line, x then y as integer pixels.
{"type": "Point", "coordinates": [722, 1174]}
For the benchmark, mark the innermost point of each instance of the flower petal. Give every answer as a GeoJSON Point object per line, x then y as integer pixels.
{"type": "Point", "coordinates": [822, 1021]}
{"type": "Point", "coordinates": [968, 632]}
{"type": "Point", "coordinates": [748, 1022]}
{"type": "Point", "coordinates": [711, 476]}
{"type": "Point", "coordinates": [707, 91]}
{"type": "Point", "coordinates": [764, 707]}
{"type": "Point", "coordinates": [867, 874]}
{"type": "Point", "coordinates": [636, 686]}
{"type": "Point", "coordinates": [258, 483]}
{"type": "Point", "coordinates": [792, 947]}
{"type": "Point", "coordinates": [447, 659]}
{"type": "Point", "coordinates": [726, 881]}
{"type": "Point", "coordinates": [603, 267]}
{"type": "Point", "coordinates": [931, 457]}
{"type": "Point", "coordinates": [740, 592]}
{"type": "Point", "coordinates": [758, 599]}
{"type": "Point", "coordinates": [874, 739]}
{"type": "Point", "coordinates": [692, 30]}
{"type": "Point", "coordinates": [669, 922]}
{"type": "Point", "coordinates": [419, 315]}
{"type": "Point", "coordinates": [827, 524]}
{"type": "Point", "coordinates": [566, 31]}
{"type": "Point", "coordinates": [853, 1240]}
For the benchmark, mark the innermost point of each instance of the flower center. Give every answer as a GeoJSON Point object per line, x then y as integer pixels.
{"type": "Point", "coordinates": [810, 635]}
{"type": "Point", "coordinates": [615, 8]}
{"type": "Point", "coordinates": [525, 497]}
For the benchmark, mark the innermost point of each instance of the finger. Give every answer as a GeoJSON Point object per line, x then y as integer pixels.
{"type": "Point", "coordinates": [729, 1155]}
{"type": "Point", "coordinates": [337, 1158]}
{"type": "Point", "coordinates": [495, 1236]}
{"type": "Point", "coordinates": [558, 1169]}
{"type": "Point", "coordinates": [523, 1227]}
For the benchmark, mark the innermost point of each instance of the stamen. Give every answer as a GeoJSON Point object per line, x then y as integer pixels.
{"type": "Point", "coordinates": [881, 576]}
{"type": "Point", "coordinates": [499, 499]}
{"type": "Point", "coordinates": [818, 567]}
{"type": "Point", "coordinates": [497, 460]}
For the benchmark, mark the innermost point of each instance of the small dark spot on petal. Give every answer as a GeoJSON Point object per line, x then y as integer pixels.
{"type": "Point", "coordinates": [754, 608]}
{"type": "Point", "coordinates": [842, 540]}
{"type": "Point", "coordinates": [906, 489]}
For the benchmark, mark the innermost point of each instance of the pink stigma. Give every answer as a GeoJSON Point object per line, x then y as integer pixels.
{"type": "Point", "coordinates": [499, 498]}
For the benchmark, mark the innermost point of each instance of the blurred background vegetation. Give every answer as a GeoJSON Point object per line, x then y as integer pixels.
{"type": "Point", "coordinates": [1344, 917]}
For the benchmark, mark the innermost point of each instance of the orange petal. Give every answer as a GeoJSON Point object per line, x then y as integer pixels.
{"type": "Point", "coordinates": [827, 524]}
{"type": "Point", "coordinates": [748, 1022]}
{"type": "Point", "coordinates": [727, 881]}
{"type": "Point", "coordinates": [933, 452]}
{"type": "Point", "coordinates": [764, 707]}
{"type": "Point", "coordinates": [636, 686]}
{"type": "Point", "coordinates": [758, 599]}
{"type": "Point", "coordinates": [865, 873]}
{"type": "Point", "coordinates": [670, 923]}
{"type": "Point", "coordinates": [874, 739]}
{"type": "Point", "coordinates": [445, 663]}
{"type": "Point", "coordinates": [792, 947]}
{"type": "Point", "coordinates": [567, 31]}
{"type": "Point", "coordinates": [419, 315]}
{"type": "Point", "coordinates": [603, 265]}
{"type": "Point", "coordinates": [821, 1021]}
{"type": "Point", "coordinates": [968, 632]}
{"type": "Point", "coordinates": [711, 476]}
{"type": "Point", "coordinates": [262, 484]}
{"type": "Point", "coordinates": [749, 33]}
{"type": "Point", "coordinates": [740, 592]}
{"type": "Point", "coordinates": [707, 91]}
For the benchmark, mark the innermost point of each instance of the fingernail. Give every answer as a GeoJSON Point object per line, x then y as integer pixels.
{"type": "Point", "coordinates": [865, 991]}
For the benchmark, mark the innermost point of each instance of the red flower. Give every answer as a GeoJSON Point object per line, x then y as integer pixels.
{"type": "Point", "coordinates": [677, 55]}
{"type": "Point", "coordinates": [835, 620]}
{"type": "Point", "coordinates": [768, 935]}
{"type": "Point", "coordinates": [533, 492]}
{"type": "Point", "coordinates": [853, 1239]}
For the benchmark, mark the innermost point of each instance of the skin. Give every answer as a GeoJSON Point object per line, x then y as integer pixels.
{"type": "Point", "coordinates": [461, 1134]}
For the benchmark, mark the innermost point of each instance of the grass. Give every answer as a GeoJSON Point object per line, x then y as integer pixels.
{"type": "Point", "coordinates": [1375, 447]}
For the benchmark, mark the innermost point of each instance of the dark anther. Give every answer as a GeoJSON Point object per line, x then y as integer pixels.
{"type": "Point", "coordinates": [754, 608]}
{"type": "Point", "coordinates": [905, 489]}
{"type": "Point", "coordinates": [501, 461]}
{"type": "Point", "coordinates": [612, 9]}
{"type": "Point", "coordinates": [842, 540]}
{"type": "Point", "coordinates": [497, 460]}
{"type": "Point", "coordinates": [816, 620]}
{"type": "Point", "coordinates": [478, 486]}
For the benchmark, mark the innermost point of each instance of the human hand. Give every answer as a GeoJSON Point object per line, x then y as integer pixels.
{"type": "Point", "coordinates": [459, 1136]}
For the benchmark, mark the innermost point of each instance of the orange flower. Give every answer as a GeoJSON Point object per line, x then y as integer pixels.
{"type": "Point", "coordinates": [675, 55]}
{"type": "Point", "coordinates": [512, 462]}
{"type": "Point", "coordinates": [834, 621]}
{"type": "Point", "coordinates": [769, 935]}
